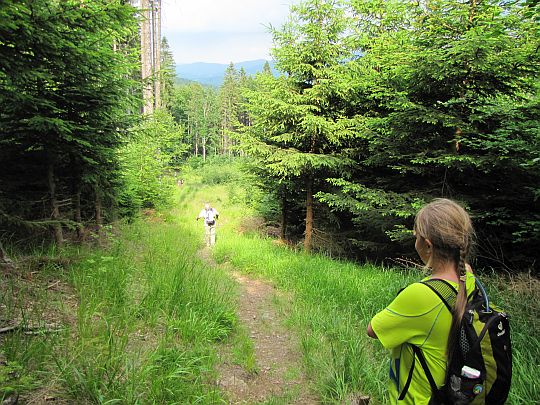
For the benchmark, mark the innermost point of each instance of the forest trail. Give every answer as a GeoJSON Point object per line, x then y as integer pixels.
{"type": "Point", "coordinates": [277, 377]}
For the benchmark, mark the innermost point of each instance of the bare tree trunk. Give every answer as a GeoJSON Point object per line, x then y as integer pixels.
{"type": "Point", "coordinates": [472, 11]}
{"type": "Point", "coordinates": [76, 195]}
{"type": "Point", "coordinates": [77, 213]}
{"type": "Point", "coordinates": [204, 148]}
{"type": "Point", "coordinates": [309, 214]}
{"type": "Point", "coordinates": [284, 207]}
{"type": "Point", "coordinates": [146, 56]}
{"type": "Point", "coordinates": [55, 215]}
{"type": "Point", "coordinates": [98, 204]}
{"type": "Point", "coordinates": [156, 39]}
{"type": "Point", "coordinates": [222, 151]}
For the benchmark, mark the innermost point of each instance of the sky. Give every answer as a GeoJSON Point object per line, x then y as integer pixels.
{"type": "Point", "coordinates": [221, 31]}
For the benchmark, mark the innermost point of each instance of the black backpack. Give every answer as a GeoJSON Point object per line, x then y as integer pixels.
{"type": "Point", "coordinates": [480, 370]}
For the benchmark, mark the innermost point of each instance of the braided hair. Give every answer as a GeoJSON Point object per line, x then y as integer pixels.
{"type": "Point", "coordinates": [448, 226]}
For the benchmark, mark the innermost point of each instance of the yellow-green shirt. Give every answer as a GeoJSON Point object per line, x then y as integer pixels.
{"type": "Point", "coordinates": [419, 317]}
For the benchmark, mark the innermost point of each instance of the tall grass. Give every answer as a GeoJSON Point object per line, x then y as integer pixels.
{"type": "Point", "coordinates": [148, 316]}
{"type": "Point", "coordinates": [24, 358]}
{"type": "Point", "coordinates": [144, 317]}
{"type": "Point", "coordinates": [149, 319]}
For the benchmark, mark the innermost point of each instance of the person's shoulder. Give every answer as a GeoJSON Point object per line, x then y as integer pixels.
{"type": "Point", "coordinates": [414, 289]}
{"type": "Point", "coordinates": [414, 300]}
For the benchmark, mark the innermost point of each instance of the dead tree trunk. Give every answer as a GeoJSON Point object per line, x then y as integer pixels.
{"type": "Point", "coordinates": [309, 214]}
{"type": "Point", "coordinates": [55, 210]}
{"type": "Point", "coordinates": [156, 42]}
{"type": "Point", "coordinates": [146, 56]}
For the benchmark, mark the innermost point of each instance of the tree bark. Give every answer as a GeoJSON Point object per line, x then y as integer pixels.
{"type": "Point", "coordinates": [98, 203]}
{"type": "Point", "coordinates": [55, 210]}
{"type": "Point", "coordinates": [76, 192]}
{"type": "Point", "coordinates": [309, 214]}
{"type": "Point", "coordinates": [156, 39]}
{"type": "Point", "coordinates": [204, 148]}
{"type": "Point", "coordinates": [284, 207]}
{"type": "Point", "coordinates": [77, 213]}
{"type": "Point", "coordinates": [146, 56]}
{"type": "Point", "coordinates": [472, 11]}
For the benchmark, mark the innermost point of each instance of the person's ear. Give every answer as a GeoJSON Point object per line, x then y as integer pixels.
{"type": "Point", "coordinates": [429, 245]}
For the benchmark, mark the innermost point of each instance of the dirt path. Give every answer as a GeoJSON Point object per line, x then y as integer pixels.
{"type": "Point", "coordinates": [278, 378]}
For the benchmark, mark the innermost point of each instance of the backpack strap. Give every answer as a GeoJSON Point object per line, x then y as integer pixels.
{"type": "Point", "coordinates": [448, 295]}
{"type": "Point", "coordinates": [435, 392]}
{"type": "Point", "coordinates": [409, 378]}
{"type": "Point", "coordinates": [444, 290]}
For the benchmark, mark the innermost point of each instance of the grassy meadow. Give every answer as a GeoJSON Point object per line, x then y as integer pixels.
{"type": "Point", "coordinates": [142, 319]}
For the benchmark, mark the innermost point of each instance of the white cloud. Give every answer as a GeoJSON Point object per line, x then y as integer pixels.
{"type": "Point", "coordinates": [219, 48]}
{"type": "Point", "coordinates": [223, 15]}
{"type": "Point", "coordinates": [221, 31]}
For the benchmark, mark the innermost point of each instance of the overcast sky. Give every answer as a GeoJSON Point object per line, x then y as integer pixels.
{"type": "Point", "coordinates": [221, 31]}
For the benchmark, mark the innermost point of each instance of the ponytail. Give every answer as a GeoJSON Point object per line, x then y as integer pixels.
{"type": "Point", "coordinates": [461, 303]}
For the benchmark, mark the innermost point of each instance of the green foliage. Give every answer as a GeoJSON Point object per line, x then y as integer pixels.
{"type": "Point", "coordinates": [168, 75]}
{"type": "Point", "coordinates": [386, 105]}
{"type": "Point", "coordinates": [153, 148]}
{"type": "Point", "coordinates": [213, 117]}
{"type": "Point", "coordinates": [64, 91]}
{"type": "Point", "coordinates": [300, 125]}
{"type": "Point", "coordinates": [196, 108]}
{"type": "Point", "coordinates": [452, 112]}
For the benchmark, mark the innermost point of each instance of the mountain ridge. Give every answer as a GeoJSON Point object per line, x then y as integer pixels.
{"type": "Point", "coordinates": [213, 73]}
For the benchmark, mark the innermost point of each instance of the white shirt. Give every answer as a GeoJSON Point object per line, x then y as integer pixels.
{"type": "Point", "coordinates": [208, 215]}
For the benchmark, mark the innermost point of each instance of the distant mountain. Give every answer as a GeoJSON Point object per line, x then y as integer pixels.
{"type": "Point", "coordinates": [213, 73]}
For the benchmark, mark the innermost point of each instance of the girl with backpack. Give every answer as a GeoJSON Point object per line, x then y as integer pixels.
{"type": "Point", "coordinates": [417, 317]}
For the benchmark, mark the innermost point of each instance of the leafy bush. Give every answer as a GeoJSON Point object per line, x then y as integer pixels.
{"type": "Point", "coordinates": [153, 146]}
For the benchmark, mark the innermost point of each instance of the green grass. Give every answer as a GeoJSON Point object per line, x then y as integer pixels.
{"type": "Point", "coordinates": [144, 319]}
{"type": "Point", "coordinates": [27, 357]}
{"type": "Point", "coordinates": [243, 351]}
{"type": "Point", "coordinates": [334, 301]}
{"type": "Point", "coordinates": [148, 321]}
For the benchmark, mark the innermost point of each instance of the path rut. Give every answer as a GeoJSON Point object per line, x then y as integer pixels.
{"type": "Point", "coordinates": [279, 378]}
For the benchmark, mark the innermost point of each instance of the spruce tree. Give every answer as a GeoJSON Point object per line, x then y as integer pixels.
{"type": "Point", "coordinates": [168, 74]}
{"type": "Point", "coordinates": [64, 91]}
{"type": "Point", "coordinates": [229, 95]}
{"type": "Point", "coordinates": [448, 106]}
{"type": "Point", "coordinates": [299, 125]}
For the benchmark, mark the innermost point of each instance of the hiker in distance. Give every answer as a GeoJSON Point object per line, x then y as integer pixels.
{"type": "Point", "coordinates": [210, 215]}
{"type": "Point", "coordinates": [417, 317]}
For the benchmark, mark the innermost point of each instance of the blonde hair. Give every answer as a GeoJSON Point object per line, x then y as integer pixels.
{"type": "Point", "coordinates": [449, 228]}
